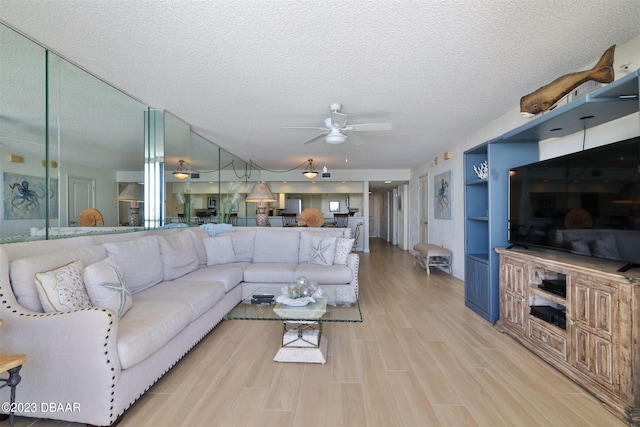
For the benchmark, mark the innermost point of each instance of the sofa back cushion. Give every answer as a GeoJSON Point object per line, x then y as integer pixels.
{"type": "Point", "coordinates": [219, 250]}
{"type": "Point", "coordinates": [197, 234]}
{"type": "Point", "coordinates": [178, 255]}
{"type": "Point", "coordinates": [273, 245]}
{"type": "Point", "coordinates": [22, 271]}
{"type": "Point", "coordinates": [140, 261]}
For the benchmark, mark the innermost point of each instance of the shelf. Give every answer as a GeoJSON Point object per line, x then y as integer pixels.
{"type": "Point", "coordinates": [548, 295]}
{"type": "Point", "coordinates": [554, 328]}
{"type": "Point", "coordinates": [484, 258]}
{"type": "Point", "coordinates": [620, 97]}
{"type": "Point", "coordinates": [478, 218]}
{"type": "Point", "coordinates": [477, 181]}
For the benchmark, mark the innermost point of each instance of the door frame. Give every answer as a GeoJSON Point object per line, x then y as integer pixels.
{"type": "Point", "coordinates": [423, 189]}
{"type": "Point", "coordinates": [91, 198]}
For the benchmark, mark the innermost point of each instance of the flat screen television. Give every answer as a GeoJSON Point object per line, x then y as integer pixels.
{"type": "Point", "coordinates": [586, 203]}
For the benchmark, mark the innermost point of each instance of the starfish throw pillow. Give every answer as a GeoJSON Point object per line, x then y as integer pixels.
{"type": "Point", "coordinates": [323, 250]}
{"type": "Point", "coordinates": [106, 286]}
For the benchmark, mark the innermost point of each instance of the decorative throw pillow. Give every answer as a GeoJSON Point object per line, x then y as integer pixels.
{"type": "Point", "coordinates": [219, 250]}
{"type": "Point", "coordinates": [215, 229]}
{"type": "Point", "coordinates": [106, 286]}
{"type": "Point", "coordinates": [63, 289]}
{"type": "Point", "coordinates": [606, 247]}
{"type": "Point", "coordinates": [304, 254]}
{"type": "Point", "coordinates": [343, 249]}
{"type": "Point", "coordinates": [323, 250]}
{"type": "Point", "coordinates": [243, 242]}
{"type": "Point", "coordinates": [581, 247]}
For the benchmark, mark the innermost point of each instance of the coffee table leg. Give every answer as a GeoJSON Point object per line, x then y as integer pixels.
{"type": "Point", "coordinates": [302, 342]}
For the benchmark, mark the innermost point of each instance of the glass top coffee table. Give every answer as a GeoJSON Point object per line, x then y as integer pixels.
{"type": "Point", "coordinates": [302, 339]}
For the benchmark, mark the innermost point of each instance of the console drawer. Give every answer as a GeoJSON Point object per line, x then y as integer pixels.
{"type": "Point", "coordinates": [551, 341]}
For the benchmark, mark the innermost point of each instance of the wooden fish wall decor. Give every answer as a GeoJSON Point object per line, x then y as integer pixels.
{"type": "Point", "coordinates": [546, 97]}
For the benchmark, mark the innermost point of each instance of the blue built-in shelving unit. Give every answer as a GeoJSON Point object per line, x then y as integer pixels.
{"type": "Point", "coordinates": [486, 200]}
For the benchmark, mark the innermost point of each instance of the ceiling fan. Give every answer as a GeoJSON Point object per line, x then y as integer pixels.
{"type": "Point", "coordinates": [336, 130]}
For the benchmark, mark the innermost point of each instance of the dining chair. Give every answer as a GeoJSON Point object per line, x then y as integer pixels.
{"type": "Point", "coordinates": [289, 219]}
{"type": "Point", "coordinates": [341, 220]}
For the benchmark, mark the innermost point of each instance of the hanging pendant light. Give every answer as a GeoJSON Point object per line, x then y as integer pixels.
{"type": "Point", "coordinates": [181, 173]}
{"type": "Point", "coordinates": [310, 172]}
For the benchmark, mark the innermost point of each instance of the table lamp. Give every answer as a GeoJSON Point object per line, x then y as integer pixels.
{"type": "Point", "coordinates": [261, 194]}
{"type": "Point", "coordinates": [133, 193]}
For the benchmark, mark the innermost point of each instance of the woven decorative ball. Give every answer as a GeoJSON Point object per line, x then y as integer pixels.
{"type": "Point", "coordinates": [311, 218]}
{"type": "Point", "coordinates": [90, 218]}
{"type": "Point", "coordinates": [578, 218]}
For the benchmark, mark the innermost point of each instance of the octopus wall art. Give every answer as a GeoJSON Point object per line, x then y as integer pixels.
{"type": "Point", "coordinates": [442, 196]}
{"type": "Point", "coordinates": [25, 197]}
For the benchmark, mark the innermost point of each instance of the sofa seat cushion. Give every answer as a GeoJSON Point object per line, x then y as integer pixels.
{"type": "Point", "coordinates": [200, 295]}
{"type": "Point", "coordinates": [147, 326]}
{"type": "Point", "coordinates": [325, 274]}
{"type": "Point", "coordinates": [270, 272]}
{"type": "Point", "coordinates": [229, 276]}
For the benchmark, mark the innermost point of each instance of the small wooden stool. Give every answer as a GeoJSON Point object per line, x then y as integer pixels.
{"type": "Point", "coordinates": [432, 256]}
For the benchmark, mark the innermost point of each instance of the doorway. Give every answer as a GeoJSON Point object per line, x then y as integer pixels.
{"type": "Point", "coordinates": [374, 215]}
{"type": "Point", "coordinates": [82, 196]}
{"type": "Point", "coordinates": [424, 209]}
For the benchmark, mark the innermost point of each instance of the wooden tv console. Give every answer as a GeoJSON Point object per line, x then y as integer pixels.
{"type": "Point", "coordinates": [599, 348]}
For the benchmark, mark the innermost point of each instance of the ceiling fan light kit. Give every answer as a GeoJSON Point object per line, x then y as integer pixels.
{"type": "Point", "coordinates": [335, 137]}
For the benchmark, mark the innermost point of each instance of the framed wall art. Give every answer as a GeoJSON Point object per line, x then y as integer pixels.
{"type": "Point", "coordinates": [25, 196]}
{"type": "Point", "coordinates": [442, 195]}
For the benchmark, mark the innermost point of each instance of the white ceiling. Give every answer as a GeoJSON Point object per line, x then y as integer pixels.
{"type": "Point", "coordinates": [239, 71]}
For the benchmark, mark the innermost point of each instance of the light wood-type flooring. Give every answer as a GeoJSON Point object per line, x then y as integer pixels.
{"type": "Point", "coordinates": [420, 358]}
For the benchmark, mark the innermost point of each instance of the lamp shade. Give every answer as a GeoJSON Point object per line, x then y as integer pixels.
{"type": "Point", "coordinates": [261, 194]}
{"type": "Point", "coordinates": [131, 193]}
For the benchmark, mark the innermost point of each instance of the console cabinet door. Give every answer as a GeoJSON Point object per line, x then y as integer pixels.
{"type": "Point", "coordinates": [476, 284]}
{"type": "Point", "coordinates": [594, 331]}
{"type": "Point", "coordinates": [512, 305]}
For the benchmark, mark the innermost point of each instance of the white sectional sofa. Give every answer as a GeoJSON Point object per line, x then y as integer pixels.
{"type": "Point", "coordinates": [98, 360]}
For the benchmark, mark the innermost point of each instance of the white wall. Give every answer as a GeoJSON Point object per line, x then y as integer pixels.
{"type": "Point", "coordinates": [450, 233]}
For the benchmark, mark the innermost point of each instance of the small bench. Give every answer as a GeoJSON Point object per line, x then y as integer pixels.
{"type": "Point", "coordinates": [432, 256]}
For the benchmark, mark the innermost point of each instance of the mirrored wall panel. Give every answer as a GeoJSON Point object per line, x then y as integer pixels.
{"type": "Point", "coordinates": [22, 135]}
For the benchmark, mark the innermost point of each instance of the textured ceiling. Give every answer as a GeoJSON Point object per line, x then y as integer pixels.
{"type": "Point", "coordinates": [239, 71]}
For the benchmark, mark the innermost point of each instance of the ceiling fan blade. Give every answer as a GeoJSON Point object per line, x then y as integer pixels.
{"type": "Point", "coordinates": [303, 127]}
{"type": "Point", "coordinates": [338, 120]}
{"type": "Point", "coordinates": [315, 138]}
{"type": "Point", "coordinates": [370, 127]}
{"type": "Point", "coordinates": [354, 139]}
